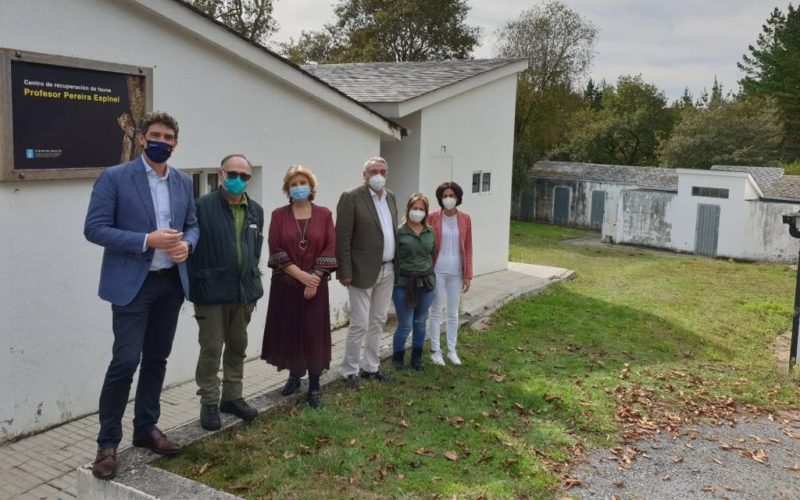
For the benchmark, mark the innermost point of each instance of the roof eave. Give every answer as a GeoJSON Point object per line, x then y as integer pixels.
{"type": "Point", "coordinates": [400, 109]}
{"type": "Point", "coordinates": [189, 18]}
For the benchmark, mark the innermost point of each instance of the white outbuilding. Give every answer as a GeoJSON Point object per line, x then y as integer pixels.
{"type": "Point", "coordinates": [229, 95]}
{"type": "Point", "coordinates": [460, 118]}
{"type": "Point", "coordinates": [727, 211]}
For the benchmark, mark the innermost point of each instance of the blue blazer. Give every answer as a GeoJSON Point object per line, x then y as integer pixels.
{"type": "Point", "coordinates": [121, 213]}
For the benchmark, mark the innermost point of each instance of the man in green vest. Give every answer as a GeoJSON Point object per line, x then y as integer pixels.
{"type": "Point", "coordinates": [225, 283]}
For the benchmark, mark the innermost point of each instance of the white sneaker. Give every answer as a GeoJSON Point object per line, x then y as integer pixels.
{"type": "Point", "coordinates": [453, 357]}
{"type": "Point", "coordinates": [437, 359]}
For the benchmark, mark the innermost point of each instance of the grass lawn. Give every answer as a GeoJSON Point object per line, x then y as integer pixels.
{"type": "Point", "coordinates": [546, 379]}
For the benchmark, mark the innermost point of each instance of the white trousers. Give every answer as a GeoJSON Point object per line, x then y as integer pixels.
{"type": "Point", "coordinates": [368, 310]}
{"type": "Point", "coordinates": [447, 292]}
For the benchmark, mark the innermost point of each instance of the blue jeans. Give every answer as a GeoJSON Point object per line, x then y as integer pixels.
{"type": "Point", "coordinates": [410, 319]}
{"type": "Point", "coordinates": [143, 334]}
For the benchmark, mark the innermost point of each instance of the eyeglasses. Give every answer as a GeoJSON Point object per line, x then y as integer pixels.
{"type": "Point", "coordinates": [230, 174]}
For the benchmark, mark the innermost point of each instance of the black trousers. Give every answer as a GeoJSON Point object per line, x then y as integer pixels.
{"type": "Point", "coordinates": [143, 335]}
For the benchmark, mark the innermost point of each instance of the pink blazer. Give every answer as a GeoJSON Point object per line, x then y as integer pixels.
{"type": "Point", "coordinates": [464, 236]}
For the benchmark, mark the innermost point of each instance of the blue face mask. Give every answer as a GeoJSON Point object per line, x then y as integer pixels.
{"type": "Point", "coordinates": [300, 193]}
{"type": "Point", "coordinates": [158, 151]}
{"type": "Point", "coordinates": [235, 186]}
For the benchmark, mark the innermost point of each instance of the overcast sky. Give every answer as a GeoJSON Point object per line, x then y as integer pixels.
{"type": "Point", "coordinates": [672, 44]}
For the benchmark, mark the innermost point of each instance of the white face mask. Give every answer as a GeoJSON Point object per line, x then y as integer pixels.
{"type": "Point", "coordinates": [377, 182]}
{"type": "Point", "coordinates": [416, 215]}
{"type": "Point", "coordinates": [449, 203]}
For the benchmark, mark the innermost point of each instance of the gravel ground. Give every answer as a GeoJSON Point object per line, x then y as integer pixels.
{"type": "Point", "coordinates": [703, 462]}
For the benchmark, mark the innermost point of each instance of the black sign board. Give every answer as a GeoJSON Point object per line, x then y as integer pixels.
{"type": "Point", "coordinates": [67, 117]}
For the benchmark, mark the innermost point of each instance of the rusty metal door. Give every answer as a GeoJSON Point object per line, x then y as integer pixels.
{"type": "Point", "coordinates": [561, 206]}
{"type": "Point", "coordinates": [598, 209]}
{"type": "Point", "coordinates": [706, 233]}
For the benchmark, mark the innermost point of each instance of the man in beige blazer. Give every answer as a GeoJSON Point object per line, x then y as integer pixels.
{"type": "Point", "coordinates": [366, 223]}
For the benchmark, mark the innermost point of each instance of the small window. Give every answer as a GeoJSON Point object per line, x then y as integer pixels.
{"type": "Point", "coordinates": [486, 183]}
{"type": "Point", "coordinates": [213, 182]}
{"type": "Point", "coordinates": [709, 192]}
{"type": "Point", "coordinates": [203, 181]}
{"type": "Point", "coordinates": [196, 185]}
{"type": "Point", "coordinates": [481, 182]}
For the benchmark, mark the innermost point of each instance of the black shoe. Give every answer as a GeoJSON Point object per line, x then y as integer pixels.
{"type": "Point", "coordinates": [239, 408]}
{"type": "Point", "coordinates": [376, 375]}
{"type": "Point", "coordinates": [292, 385]}
{"type": "Point", "coordinates": [416, 359]}
{"type": "Point", "coordinates": [351, 382]}
{"type": "Point", "coordinates": [398, 360]}
{"type": "Point", "coordinates": [315, 399]}
{"type": "Point", "coordinates": [209, 417]}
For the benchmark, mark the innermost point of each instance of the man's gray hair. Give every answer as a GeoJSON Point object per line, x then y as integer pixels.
{"type": "Point", "coordinates": [375, 159]}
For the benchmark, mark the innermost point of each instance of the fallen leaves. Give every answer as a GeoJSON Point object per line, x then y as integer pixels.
{"type": "Point", "coordinates": [759, 455]}
{"type": "Point", "coordinates": [643, 413]}
{"type": "Point", "coordinates": [451, 455]}
{"type": "Point", "coordinates": [570, 482]}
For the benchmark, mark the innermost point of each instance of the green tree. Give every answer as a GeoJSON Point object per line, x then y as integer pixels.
{"type": "Point", "coordinates": [389, 31]}
{"type": "Point", "coordinates": [628, 128]}
{"type": "Point", "coordinates": [557, 42]}
{"type": "Point", "coordinates": [250, 18]}
{"type": "Point", "coordinates": [744, 131]}
{"type": "Point", "coordinates": [772, 69]}
{"type": "Point", "coordinates": [593, 95]}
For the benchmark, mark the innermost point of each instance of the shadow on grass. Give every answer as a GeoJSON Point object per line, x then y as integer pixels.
{"type": "Point", "coordinates": [497, 426]}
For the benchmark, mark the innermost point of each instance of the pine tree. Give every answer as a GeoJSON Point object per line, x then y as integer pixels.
{"type": "Point", "coordinates": [772, 69]}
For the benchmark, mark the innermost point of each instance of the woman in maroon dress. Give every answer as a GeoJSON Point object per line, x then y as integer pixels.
{"type": "Point", "coordinates": [302, 249]}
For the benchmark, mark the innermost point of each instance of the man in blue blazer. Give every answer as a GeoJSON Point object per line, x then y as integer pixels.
{"type": "Point", "coordinates": [142, 213]}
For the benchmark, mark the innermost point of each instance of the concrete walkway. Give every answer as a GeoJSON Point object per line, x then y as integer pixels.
{"type": "Point", "coordinates": [43, 466]}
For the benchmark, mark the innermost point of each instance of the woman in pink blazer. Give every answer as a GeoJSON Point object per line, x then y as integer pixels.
{"type": "Point", "coordinates": [452, 260]}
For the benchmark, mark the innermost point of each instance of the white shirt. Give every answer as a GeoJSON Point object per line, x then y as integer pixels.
{"type": "Point", "coordinates": [159, 191]}
{"type": "Point", "coordinates": [385, 216]}
{"type": "Point", "coordinates": [449, 259]}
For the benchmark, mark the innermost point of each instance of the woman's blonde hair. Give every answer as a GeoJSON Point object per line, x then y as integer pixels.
{"type": "Point", "coordinates": [300, 170]}
{"type": "Point", "coordinates": [414, 198]}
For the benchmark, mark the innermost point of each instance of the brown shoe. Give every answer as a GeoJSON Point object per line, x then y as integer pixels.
{"type": "Point", "coordinates": [105, 466]}
{"type": "Point", "coordinates": [157, 442]}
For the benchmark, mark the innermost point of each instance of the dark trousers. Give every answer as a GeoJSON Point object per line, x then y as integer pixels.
{"type": "Point", "coordinates": [143, 331]}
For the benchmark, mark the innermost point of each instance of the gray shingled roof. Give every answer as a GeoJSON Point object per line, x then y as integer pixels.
{"type": "Point", "coordinates": [770, 180]}
{"type": "Point", "coordinates": [401, 81]}
{"type": "Point", "coordinates": [647, 177]}
{"type": "Point", "coordinates": [787, 186]}
{"type": "Point", "coordinates": [765, 177]}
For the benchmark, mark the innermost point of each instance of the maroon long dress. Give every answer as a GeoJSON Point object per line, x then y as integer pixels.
{"type": "Point", "coordinates": [297, 335]}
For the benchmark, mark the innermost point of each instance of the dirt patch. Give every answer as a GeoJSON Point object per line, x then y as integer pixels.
{"type": "Point", "coordinates": [780, 351]}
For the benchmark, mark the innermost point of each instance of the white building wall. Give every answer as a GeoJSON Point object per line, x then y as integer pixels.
{"type": "Point", "coordinates": [403, 159]}
{"type": "Point", "coordinates": [749, 229]}
{"type": "Point", "coordinates": [768, 237]}
{"type": "Point", "coordinates": [55, 337]}
{"type": "Point", "coordinates": [476, 129]}
{"type": "Point", "coordinates": [733, 210]}
{"type": "Point", "coordinates": [645, 218]}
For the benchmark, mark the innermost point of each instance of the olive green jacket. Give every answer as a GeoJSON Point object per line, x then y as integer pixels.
{"type": "Point", "coordinates": [359, 237]}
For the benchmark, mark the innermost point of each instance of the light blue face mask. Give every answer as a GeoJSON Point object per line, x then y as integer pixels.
{"type": "Point", "coordinates": [300, 193]}
{"type": "Point", "coordinates": [235, 186]}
